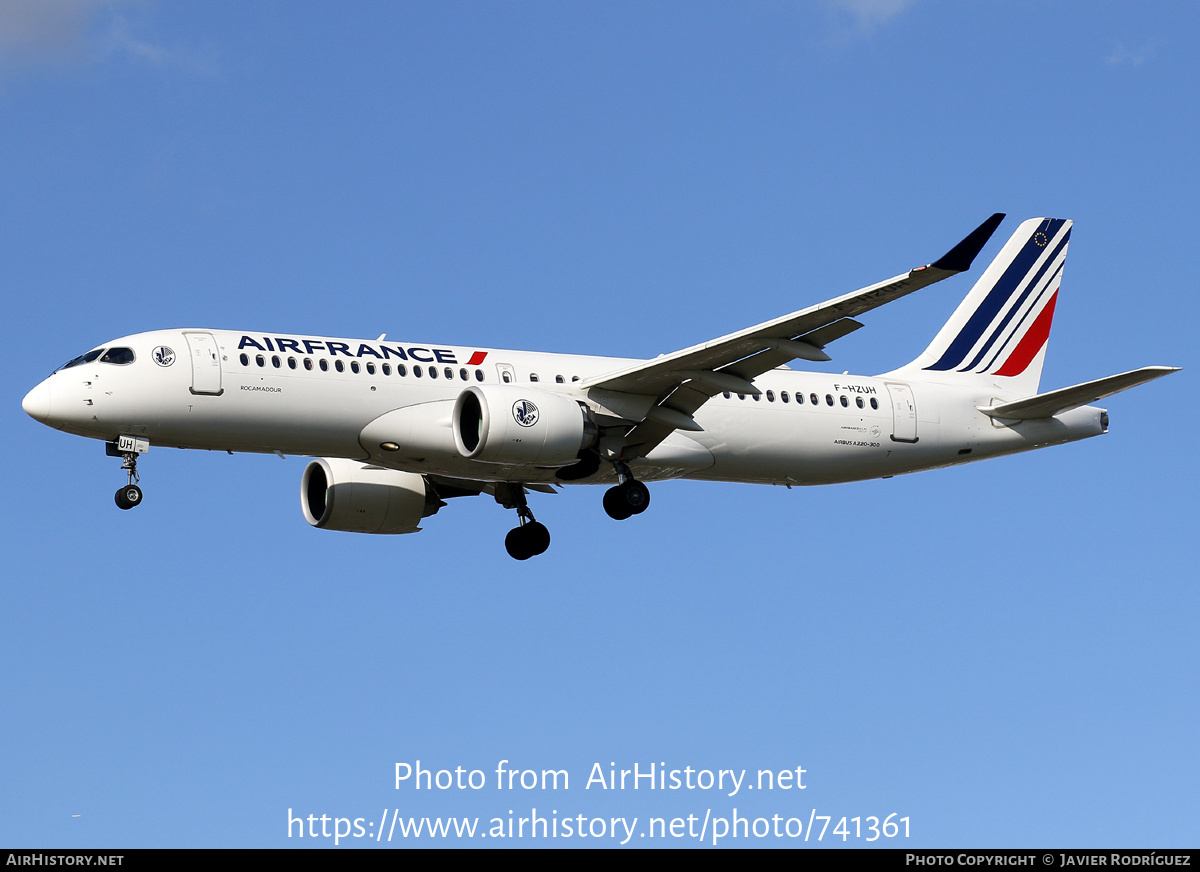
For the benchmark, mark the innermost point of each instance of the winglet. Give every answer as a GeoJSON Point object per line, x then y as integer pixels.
{"type": "Point", "coordinates": [958, 259]}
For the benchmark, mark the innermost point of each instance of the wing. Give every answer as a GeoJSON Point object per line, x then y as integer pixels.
{"type": "Point", "coordinates": [678, 384]}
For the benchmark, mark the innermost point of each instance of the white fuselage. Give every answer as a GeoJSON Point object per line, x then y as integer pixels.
{"type": "Point", "coordinates": [255, 392]}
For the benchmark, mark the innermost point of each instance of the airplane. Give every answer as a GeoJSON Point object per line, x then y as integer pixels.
{"type": "Point", "coordinates": [396, 429]}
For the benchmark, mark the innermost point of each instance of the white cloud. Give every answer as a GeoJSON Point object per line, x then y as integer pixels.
{"type": "Point", "coordinates": [56, 32]}
{"type": "Point", "coordinates": [119, 41]}
{"type": "Point", "coordinates": [1132, 56]}
{"type": "Point", "coordinates": [869, 14]}
{"type": "Point", "coordinates": [52, 31]}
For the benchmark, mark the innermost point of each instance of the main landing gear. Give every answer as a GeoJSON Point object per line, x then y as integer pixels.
{"type": "Point", "coordinates": [531, 537]}
{"type": "Point", "coordinates": [628, 498]}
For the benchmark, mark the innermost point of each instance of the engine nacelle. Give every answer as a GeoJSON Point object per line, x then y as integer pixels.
{"type": "Point", "coordinates": [513, 424]}
{"type": "Point", "coordinates": [348, 495]}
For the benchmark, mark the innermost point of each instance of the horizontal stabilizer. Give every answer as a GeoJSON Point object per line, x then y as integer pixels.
{"type": "Point", "coordinates": [1050, 404]}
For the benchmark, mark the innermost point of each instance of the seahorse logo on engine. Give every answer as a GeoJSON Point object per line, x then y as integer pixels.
{"type": "Point", "coordinates": [525, 413]}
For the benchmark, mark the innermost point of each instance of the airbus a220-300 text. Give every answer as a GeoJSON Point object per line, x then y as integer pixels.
{"type": "Point", "coordinates": [399, 428]}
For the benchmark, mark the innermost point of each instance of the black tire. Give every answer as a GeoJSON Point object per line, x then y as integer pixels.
{"type": "Point", "coordinates": [517, 544]}
{"type": "Point", "coordinates": [538, 537]}
{"type": "Point", "coordinates": [129, 496]}
{"type": "Point", "coordinates": [614, 504]}
{"type": "Point", "coordinates": [637, 496]}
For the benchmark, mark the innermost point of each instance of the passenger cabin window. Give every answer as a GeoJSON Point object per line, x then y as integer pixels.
{"type": "Point", "coordinates": [448, 373]}
{"type": "Point", "coordinates": [354, 366]}
{"type": "Point", "coordinates": [244, 359]}
{"type": "Point", "coordinates": [783, 395]}
{"type": "Point", "coordinates": [874, 403]}
{"type": "Point", "coordinates": [479, 375]}
{"type": "Point", "coordinates": [433, 372]}
{"type": "Point", "coordinates": [339, 366]}
{"type": "Point", "coordinates": [829, 399]}
{"type": "Point", "coordinates": [507, 378]}
{"type": "Point", "coordinates": [770, 396]}
{"type": "Point", "coordinates": [387, 369]}
{"type": "Point", "coordinates": [260, 360]}
{"type": "Point", "coordinates": [291, 363]}
{"type": "Point", "coordinates": [813, 399]}
{"type": "Point", "coordinates": [533, 377]}
{"type": "Point", "coordinates": [845, 403]}
{"type": "Point", "coordinates": [858, 402]}
{"type": "Point", "coordinates": [324, 365]}
{"type": "Point", "coordinates": [275, 362]}
{"type": "Point", "coordinates": [370, 368]}
{"type": "Point", "coordinates": [560, 380]}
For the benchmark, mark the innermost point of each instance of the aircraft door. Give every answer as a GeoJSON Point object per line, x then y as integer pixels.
{"type": "Point", "coordinates": [505, 372]}
{"type": "Point", "coordinates": [206, 363]}
{"type": "Point", "coordinates": [904, 413]}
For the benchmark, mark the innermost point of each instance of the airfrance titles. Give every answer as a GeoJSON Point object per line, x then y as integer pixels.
{"type": "Point", "coordinates": [377, 350]}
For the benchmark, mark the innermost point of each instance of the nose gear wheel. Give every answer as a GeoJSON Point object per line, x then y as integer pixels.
{"type": "Point", "coordinates": [129, 496]}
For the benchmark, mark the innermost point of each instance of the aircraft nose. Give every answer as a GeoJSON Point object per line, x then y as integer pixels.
{"type": "Point", "coordinates": [37, 403]}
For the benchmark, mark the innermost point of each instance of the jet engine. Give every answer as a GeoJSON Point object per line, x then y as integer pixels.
{"type": "Point", "coordinates": [348, 495]}
{"type": "Point", "coordinates": [515, 424]}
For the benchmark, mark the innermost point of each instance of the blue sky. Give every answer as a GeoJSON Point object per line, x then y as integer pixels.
{"type": "Point", "coordinates": [1004, 652]}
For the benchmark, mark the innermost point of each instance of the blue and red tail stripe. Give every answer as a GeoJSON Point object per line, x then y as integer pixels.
{"type": "Point", "coordinates": [1015, 277]}
{"type": "Point", "coordinates": [1031, 343]}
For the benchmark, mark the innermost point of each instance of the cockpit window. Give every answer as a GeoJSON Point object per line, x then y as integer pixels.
{"type": "Point", "coordinates": [83, 358]}
{"type": "Point", "coordinates": [119, 356]}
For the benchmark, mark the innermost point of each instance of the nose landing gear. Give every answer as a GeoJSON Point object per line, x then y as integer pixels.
{"type": "Point", "coordinates": [128, 448]}
{"type": "Point", "coordinates": [130, 495]}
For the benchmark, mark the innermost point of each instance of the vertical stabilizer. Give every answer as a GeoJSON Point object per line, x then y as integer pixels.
{"type": "Point", "coordinates": [998, 333]}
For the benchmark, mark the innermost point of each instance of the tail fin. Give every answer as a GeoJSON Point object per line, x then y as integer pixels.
{"type": "Point", "coordinates": [998, 333]}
